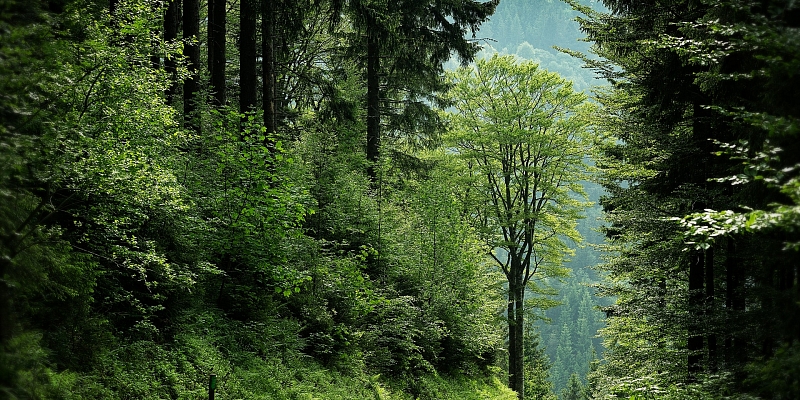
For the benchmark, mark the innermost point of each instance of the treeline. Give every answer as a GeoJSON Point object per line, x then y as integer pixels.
{"type": "Point", "coordinates": [702, 198]}
{"type": "Point", "coordinates": [239, 189]}
{"type": "Point", "coordinates": [533, 29]}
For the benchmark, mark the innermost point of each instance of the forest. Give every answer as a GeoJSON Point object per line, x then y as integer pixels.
{"type": "Point", "coordinates": [408, 199]}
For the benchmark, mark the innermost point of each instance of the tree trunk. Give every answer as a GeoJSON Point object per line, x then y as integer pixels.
{"type": "Point", "coordinates": [516, 320]}
{"type": "Point", "coordinates": [248, 82]}
{"type": "Point", "coordinates": [216, 49]}
{"type": "Point", "coordinates": [155, 56]}
{"type": "Point", "coordinates": [268, 71]}
{"type": "Point", "coordinates": [695, 342]}
{"type": "Point", "coordinates": [373, 99]}
{"type": "Point", "coordinates": [170, 36]}
{"type": "Point", "coordinates": [734, 303]}
{"type": "Point", "coordinates": [709, 309]}
{"type": "Point", "coordinates": [512, 335]}
{"type": "Point", "coordinates": [6, 313]}
{"type": "Point", "coordinates": [191, 34]}
{"type": "Point", "coordinates": [519, 357]}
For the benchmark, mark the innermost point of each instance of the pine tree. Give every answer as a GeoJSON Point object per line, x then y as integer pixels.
{"type": "Point", "coordinates": [574, 390]}
{"type": "Point", "coordinates": [677, 91]}
{"type": "Point", "coordinates": [405, 44]}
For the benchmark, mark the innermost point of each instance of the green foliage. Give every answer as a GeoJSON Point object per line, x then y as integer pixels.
{"type": "Point", "coordinates": [522, 137]}
{"type": "Point", "coordinates": [777, 377]}
{"type": "Point", "coordinates": [138, 256]}
{"type": "Point", "coordinates": [537, 368]}
{"type": "Point", "coordinates": [574, 390]}
{"type": "Point", "coordinates": [705, 139]}
{"type": "Point", "coordinates": [507, 107]}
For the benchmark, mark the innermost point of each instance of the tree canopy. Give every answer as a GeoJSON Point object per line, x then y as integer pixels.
{"type": "Point", "coordinates": [523, 138]}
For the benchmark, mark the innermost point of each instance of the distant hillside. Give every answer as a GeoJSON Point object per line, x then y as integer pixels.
{"type": "Point", "coordinates": [530, 29]}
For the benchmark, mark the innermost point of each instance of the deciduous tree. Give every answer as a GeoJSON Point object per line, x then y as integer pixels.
{"type": "Point", "coordinates": [523, 137]}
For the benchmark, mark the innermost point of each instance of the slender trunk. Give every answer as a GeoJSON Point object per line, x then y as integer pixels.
{"type": "Point", "coordinates": [700, 131]}
{"type": "Point", "coordinates": [216, 49]}
{"type": "Point", "coordinates": [712, 337]}
{"type": "Point", "coordinates": [373, 99]}
{"type": "Point", "coordinates": [155, 56]}
{"type": "Point", "coordinates": [6, 314]}
{"type": "Point", "coordinates": [695, 342]}
{"type": "Point", "coordinates": [268, 69]}
{"type": "Point", "coordinates": [170, 36]}
{"type": "Point", "coordinates": [113, 10]}
{"type": "Point", "coordinates": [734, 303]}
{"type": "Point", "coordinates": [248, 82]}
{"type": "Point", "coordinates": [516, 319]}
{"type": "Point", "coordinates": [191, 34]}
{"type": "Point", "coordinates": [512, 334]}
{"type": "Point", "coordinates": [519, 357]}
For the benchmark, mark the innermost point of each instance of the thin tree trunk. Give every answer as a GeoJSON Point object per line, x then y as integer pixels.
{"type": "Point", "coordinates": [712, 338]}
{"type": "Point", "coordinates": [216, 49]}
{"type": "Point", "coordinates": [6, 314]}
{"type": "Point", "coordinates": [512, 334]}
{"type": "Point", "coordinates": [373, 100]}
{"type": "Point", "coordinates": [268, 71]}
{"type": "Point", "coordinates": [519, 357]}
{"type": "Point", "coordinates": [516, 319]}
{"type": "Point", "coordinates": [248, 82]}
{"type": "Point", "coordinates": [170, 36]}
{"type": "Point", "coordinates": [191, 34]}
{"type": "Point", "coordinates": [155, 56]}
{"type": "Point", "coordinates": [734, 303]}
{"type": "Point", "coordinates": [695, 342]}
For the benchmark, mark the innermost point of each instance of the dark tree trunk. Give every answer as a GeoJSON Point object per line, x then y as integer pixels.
{"type": "Point", "coordinates": [695, 342]}
{"type": "Point", "coordinates": [248, 82]}
{"type": "Point", "coordinates": [191, 33]}
{"type": "Point", "coordinates": [373, 99]}
{"type": "Point", "coordinates": [6, 314]}
{"type": "Point", "coordinates": [268, 71]}
{"type": "Point", "coordinates": [512, 335]}
{"type": "Point", "coordinates": [712, 337]}
{"type": "Point", "coordinates": [519, 357]}
{"type": "Point", "coordinates": [516, 320]}
{"type": "Point", "coordinates": [171, 17]}
{"type": "Point", "coordinates": [216, 49]}
{"type": "Point", "coordinates": [155, 56]}
{"type": "Point", "coordinates": [734, 304]}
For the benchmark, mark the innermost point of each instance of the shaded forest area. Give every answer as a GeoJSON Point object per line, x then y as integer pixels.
{"type": "Point", "coordinates": [298, 197]}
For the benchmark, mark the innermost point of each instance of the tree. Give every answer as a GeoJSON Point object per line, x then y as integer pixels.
{"type": "Point", "coordinates": [537, 366]}
{"type": "Point", "coordinates": [191, 37]}
{"type": "Point", "coordinates": [407, 42]}
{"type": "Point", "coordinates": [171, 18]}
{"type": "Point", "coordinates": [574, 390]}
{"type": "Point", "coordinates": [248, 79]}
{"type": "Point", "coordinates": [689, 75]}
{"type": "Point", "coordinates": [217, 58]}
{"type": "Point", "coordinates": [522, 135]}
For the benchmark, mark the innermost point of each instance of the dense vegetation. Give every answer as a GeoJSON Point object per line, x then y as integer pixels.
{"type": "Point", "coordinates": [162, 222]}
{"type": "Point", "coordinates": [702, 197]}
{"type": "Point", "coordinates": [296, 197]}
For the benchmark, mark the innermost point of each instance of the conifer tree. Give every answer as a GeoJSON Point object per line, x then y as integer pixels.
{"type": "Point", "coordinates": [686, 78]}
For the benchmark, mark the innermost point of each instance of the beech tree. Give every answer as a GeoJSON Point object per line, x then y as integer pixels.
{"type": "Point", "coordinates": [523, 137]}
